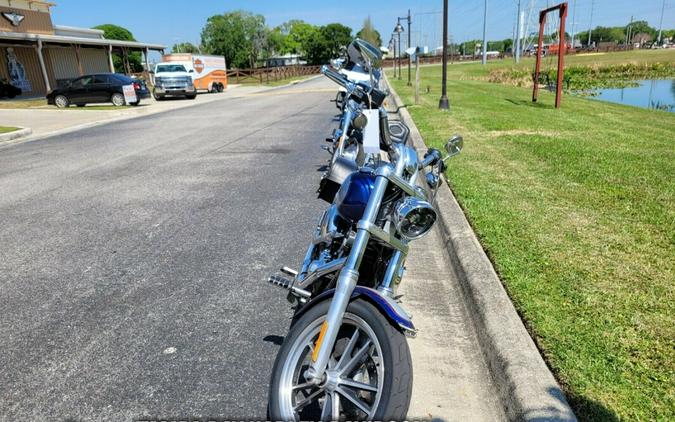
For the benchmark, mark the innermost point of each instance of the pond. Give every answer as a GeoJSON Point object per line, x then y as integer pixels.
{"type": "Point", "coordinates": [652, 94]}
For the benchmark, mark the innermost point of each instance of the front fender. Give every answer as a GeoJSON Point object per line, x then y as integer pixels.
{"type": "Point", "coordinates": [390, 308]}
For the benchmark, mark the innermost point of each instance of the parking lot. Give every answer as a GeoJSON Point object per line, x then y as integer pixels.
{"type": "Point", "coordinates": [48, 120]}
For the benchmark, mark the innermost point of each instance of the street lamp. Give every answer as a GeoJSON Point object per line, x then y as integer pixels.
{"type": "Point", "coordinates": [398, 30]}
{"type": "Point", "coordinates": [392, 47]}
{"type": "Point", "coordinates": [443, 103]}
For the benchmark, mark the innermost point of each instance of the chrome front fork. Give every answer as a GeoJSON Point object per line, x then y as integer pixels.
{"type": "Point", "coordinates": [345, 285]}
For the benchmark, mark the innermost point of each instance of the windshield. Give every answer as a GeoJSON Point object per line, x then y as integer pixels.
{"type": "Point", "coordinates": [170, 68]}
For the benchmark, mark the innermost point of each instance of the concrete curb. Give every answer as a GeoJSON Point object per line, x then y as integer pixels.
{"type": "Point", "coordinates": [527, 389]}
{"type": "Point", "coordinates": [20, 133]}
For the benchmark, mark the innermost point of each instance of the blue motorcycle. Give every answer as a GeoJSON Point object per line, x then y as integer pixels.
{"type": "Point", "coordinates": [346, 355]}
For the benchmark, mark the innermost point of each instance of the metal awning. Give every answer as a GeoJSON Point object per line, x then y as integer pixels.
{"type": "Point", "coordinates": [18, 36]}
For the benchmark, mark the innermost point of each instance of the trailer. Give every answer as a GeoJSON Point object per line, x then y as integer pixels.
{"type": "Point", "coordinates": [209, 73]}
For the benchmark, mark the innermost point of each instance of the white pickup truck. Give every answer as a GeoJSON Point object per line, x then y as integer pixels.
{"type": "Point", "coordinates": [172, 79]}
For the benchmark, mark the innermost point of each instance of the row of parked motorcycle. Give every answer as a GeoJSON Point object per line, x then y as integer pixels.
{"type": "Point", "coordinates": [346, 356]}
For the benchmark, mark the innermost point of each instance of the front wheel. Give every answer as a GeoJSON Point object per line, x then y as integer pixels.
{"type": "Point", "coordinates": [117, 99]}
{"type": "Point", "coordinates": [369, 375]}
{"type": "Point", "coordinates": [61, 101]}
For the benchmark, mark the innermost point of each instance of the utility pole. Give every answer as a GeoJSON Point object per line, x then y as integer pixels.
{"type": "Point", "coordinates": [590, 24]}
{"type": "Point", "coordinates": [443, 103]}
{"type": "Point", "coordinates": [518, 24]}
{"type": "Point", "coordinates": [574, 20]}
{"type": "Point", "coordinates": [628, 30]}
{"type": "Point", "coordinates": [663, 7]}
{"type": "Point", "coordinates": [485, 34]}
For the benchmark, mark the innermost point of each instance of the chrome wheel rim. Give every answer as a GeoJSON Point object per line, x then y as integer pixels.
{"type": "Point", "coordinates": [118, 99]}
{"type": "Point", "coordinates": [61, 101]}
{"type": "Point", "coordinates": [352, 386]}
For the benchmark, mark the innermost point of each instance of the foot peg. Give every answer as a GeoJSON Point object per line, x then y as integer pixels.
{"type": "Point", "coordinates": [284, 283]}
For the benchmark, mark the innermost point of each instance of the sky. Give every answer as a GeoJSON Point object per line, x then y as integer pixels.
{"type": "Point", "coordinates": [170, 21]}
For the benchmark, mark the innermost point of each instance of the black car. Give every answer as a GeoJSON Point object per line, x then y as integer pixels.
{"type": "Point", "coordinates": [8, 90]}
{"type": "Point", "coordinates": [98, 88]}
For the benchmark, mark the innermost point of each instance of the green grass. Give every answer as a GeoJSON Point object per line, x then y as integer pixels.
{"type": "Point", "coordinates": [99, 107]}
{"type": "Point", "coordinates": [576, 209]}
{"type": "Point", "coordinates": [5, 129]}
{"type": "Point", "coordinates": [29, 103]}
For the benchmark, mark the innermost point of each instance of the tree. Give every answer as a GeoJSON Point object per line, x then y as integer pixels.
{"type": "Point", "coordinates": [328, 42]}
{"type": "Point", "coordinates": [298, 35]}
{"type": "Point", "coordinates": [184, 47]}
{"type": "Point", "coordinates": [114, 32]}
{"type": "Point", "coordinates": [641, 27]}
{"type": "Point", "coordinates": [369, 33]}
{"type": "Point", "coordinates": [239, 36]}
{"type": "Point", "coordinates": [275, 42]}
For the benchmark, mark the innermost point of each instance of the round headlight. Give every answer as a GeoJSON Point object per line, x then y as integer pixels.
{"type": "Point", "coordinates": [414, 218]}
{"type": "Point", "coordinates": [360, 121]}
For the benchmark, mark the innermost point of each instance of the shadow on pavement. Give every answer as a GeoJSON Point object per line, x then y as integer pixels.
{"type": "Point", "coordinates": [278, 340]}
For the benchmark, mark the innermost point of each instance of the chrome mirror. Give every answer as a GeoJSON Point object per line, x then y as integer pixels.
{"type": "Point", "coordinates": [454, 145]}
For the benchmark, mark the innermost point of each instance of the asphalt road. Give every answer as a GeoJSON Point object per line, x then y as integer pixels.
{"type": "Point", "coordinates": [134, 256]}
{"type": "Point", "coordinates": [133, 260]}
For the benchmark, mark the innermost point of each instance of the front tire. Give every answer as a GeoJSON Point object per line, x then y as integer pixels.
{"type": "Point", "coordinates": [369, 376]}
{"type": "Point", "coordinates": [61, 101]}
{"type": "Point", "coordinates": [117, 99]}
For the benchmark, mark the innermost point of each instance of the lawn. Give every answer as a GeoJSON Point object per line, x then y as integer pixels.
{"type": "Point", "coordinates": [29, 103]}
{"type": "Point", "coordinates": [5, 129]}
{"type": "Point", "coordinates": [576, 209]}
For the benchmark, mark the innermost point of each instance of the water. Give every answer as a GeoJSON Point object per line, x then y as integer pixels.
{"type": "Point", "coordinates": [652, 94]}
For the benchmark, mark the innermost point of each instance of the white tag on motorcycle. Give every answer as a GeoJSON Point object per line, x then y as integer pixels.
{"type": "Point", "coordinates": [371, 134]}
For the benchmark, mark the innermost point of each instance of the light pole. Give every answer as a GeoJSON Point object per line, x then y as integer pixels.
{"type": "Point", "coordinates": [517, 43]}
{"type": "Point", "coordinates": [443, 103]}
{"type": "Point", "coordinates": [485, 34]}
{"type": "Point", "coordinates": [663, 7]}
{"type": "Point", "coordinates": [392, 46]}
{"type": "Point", "coordinates": [397, 30]}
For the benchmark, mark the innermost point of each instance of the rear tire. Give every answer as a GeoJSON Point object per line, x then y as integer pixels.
{"type": "Point", "coordinates": [385, 368]}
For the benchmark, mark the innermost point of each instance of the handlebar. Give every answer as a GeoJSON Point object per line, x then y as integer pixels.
{"type": "Point", "coordinates": [432, 157]}
{"type": "Point", "coordinates": [335, 76]}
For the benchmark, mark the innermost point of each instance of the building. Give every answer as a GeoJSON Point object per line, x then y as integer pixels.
{"type": "Point", "coordinates": [37, 56]}
{"type": "Point", "coordinates": [285, 60]}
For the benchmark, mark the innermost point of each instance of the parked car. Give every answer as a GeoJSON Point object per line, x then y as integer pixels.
{"type": "Point", "coordinates": [97, 88]}
{"type": "Point", "coordinates": [8, 90]}
{"type": "Point", "coordinates": [173, 79]}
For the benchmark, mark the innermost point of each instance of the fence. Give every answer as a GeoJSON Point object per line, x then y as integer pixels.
{"type": "Point", "coordinates": [269, 74]}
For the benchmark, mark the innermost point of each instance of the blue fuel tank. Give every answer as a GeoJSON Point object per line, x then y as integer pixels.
{"type": "Point", "coordinates": [353, 195]}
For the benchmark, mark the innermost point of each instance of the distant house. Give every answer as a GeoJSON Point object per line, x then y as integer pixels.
{"type": "Point", "coordinates": [285, 60]}
{"type": "Point", "coordinates": [641, 38]}
{"type": "Point", "coordinates": [37, 56]}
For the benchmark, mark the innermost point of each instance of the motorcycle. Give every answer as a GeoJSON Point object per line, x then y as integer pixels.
{"type": "Point", "coordinates": [346, 356]}
{"type": "Point", "coordinates": [359, 81]}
